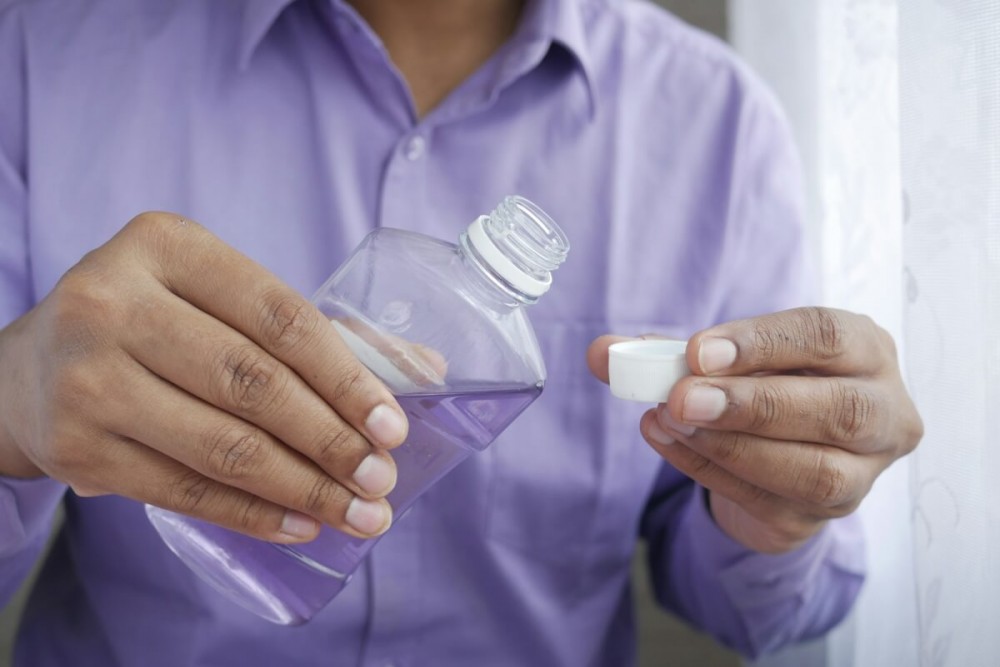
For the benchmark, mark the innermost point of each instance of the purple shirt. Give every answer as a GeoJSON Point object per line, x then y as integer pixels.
{"type": "Point", "coordinates": [283, 127]}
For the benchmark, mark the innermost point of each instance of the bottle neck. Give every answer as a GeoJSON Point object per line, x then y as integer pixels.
{"type": "Point", "coordinates": [486, 287]}
{"type": "Point", "coordinates": [510, 254]}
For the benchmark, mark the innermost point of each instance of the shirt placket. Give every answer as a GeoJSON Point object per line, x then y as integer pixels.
{"type": "Point", "coordinates": [396, 581]}
{"type": "Point", "coordinates": [395, 590]}
{"type": "Point", "coordinates": [396, 567]}
{"type": "Point", "coordinates": [393, 567]}
{"type": "Point", "coordinates": [403, 196]}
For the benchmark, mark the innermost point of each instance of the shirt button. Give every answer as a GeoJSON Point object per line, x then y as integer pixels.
{"type": "Point", "coordinates": [415, 148]}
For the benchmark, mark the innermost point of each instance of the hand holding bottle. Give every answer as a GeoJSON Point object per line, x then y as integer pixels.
{"type": "Point", "coordinates": [169, 368]}
{"type": "Point", "coordinates": [443, 325]}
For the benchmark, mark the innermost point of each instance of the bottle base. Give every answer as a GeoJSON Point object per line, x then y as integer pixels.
{"type": "Point", "coordinates": [266, 579]}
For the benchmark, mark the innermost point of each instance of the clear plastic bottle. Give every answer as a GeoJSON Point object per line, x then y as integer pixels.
{"type": "Point", "coordinates": [443, 325]}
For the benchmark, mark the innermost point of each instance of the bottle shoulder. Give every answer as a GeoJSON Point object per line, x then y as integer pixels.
{"type": "Point", "coordinates": [405, 286]}
{"type": "Point", "coordinates": [402, 240]}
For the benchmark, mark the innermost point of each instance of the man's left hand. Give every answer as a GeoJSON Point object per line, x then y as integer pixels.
{"type": "Point", "coordinates": [787, 420]}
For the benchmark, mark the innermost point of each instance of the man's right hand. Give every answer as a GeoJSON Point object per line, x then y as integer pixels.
{"type": "Point", "coordinates": [168, 368]}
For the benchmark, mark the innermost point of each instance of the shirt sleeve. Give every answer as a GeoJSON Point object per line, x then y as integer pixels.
{"type": "Point", "coordinates": [752, 602]}
{"type": "Point", "coordinates": [26, 506]}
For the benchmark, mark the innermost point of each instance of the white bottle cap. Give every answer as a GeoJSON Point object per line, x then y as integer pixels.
{"type": "Point", "coordinates": [646, 370]}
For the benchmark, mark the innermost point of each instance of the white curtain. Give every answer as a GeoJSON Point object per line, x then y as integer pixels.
{"type": "Point", "coordinates": [896, 105]}
{"type": "Point", "coordinates": [950, 76]}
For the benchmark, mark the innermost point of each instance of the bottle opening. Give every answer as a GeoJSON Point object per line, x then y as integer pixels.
{"type": "Point", "coordinates": [521, 244]}
{"type": "Point", "coordinates": [535, 239]}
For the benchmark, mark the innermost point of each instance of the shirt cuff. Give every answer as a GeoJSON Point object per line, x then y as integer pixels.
{"type": "Point", "coordinates": [752, 579]}
{"type": "Point", "coordinates": [26, 509]}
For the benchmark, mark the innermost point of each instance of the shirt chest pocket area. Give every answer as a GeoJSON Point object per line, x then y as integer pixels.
{"type": "Point", "coordinates": [572, 473]}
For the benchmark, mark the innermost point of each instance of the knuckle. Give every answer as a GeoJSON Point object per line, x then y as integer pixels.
{"type": "Point", "coordinates": [234, 452]}
{"type": "Point", "coordinates": [334, 446]}
{"type": "Point", "coordinates": [157, 234]}
{"type": "Point", "coordinates": [853, 414]}
{"type": "Point", "coordinates": [147, 221]}
{"type": "Point", "coordinates": [322, 495]}
{"type": "Point", "coordinates": [144, 225]}
{"type": "Point", "coordinates": [766, 406]}
{"type": "Point", "coordinates": [824, 331]}
{"type": "Point", "coordinates": [882, 336]}
{"type": "Point", "coordinates": [729, 449]}
{"type": "Point", "coordinates": [889, 343]}
{"type": "Point", "coordinates": [701, 467]}
{"type": "Point", "coordinates": [71, 387]}
{"type": "Point", "coordinates": [753, 495]}
{"type": "Point", "coordinates": [913, 433]}
{"type": "Point", "coordinates": [251, 514]}
{"type": "Point", "coordinates": [154, 225]}
{"type": "Point", "coordinates": [78, 313]}
{"type": "Point", "coordinates": [287, 322]}
{"type": "Point", "coordinates": [829, 488]}
{"type": "Point", "coordinates": [149, 229]}
{"type": "Point", "coordinates": [768, 342]}
{"type": "Point", "coordinates": [349, 381]}
{"type": "Point", "coordinates": [249, 379]}
{"type": "Point", "coordinates": [188, 492]}
{"type": "Point", "coordinates": [67, 458]}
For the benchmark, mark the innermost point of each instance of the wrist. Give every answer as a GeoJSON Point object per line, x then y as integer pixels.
{"type": "Point", "coordinates": [774, 536]}
{"type": "Point", "coordinates": [13, 462]}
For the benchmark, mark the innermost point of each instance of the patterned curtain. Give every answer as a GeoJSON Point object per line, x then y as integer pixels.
{"type": "Point", "coordinates": [950, 92]}
{"type": "Point", "coordinates": [896, 104]}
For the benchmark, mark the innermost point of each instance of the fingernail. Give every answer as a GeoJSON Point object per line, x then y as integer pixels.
{"type": "Point", "coordinates": [658, 435]}
{"type": "Point", "coordinates": [375, 475]}
{"type": "Point", "coordinates": [704, 404]}
{"type": "Point", "coordinates": [674, 425]}
{"type": "Point", "coordinates": [299, 526]}
{"type": "Point", "coordinates": [366, 516]}
{"type": "Point", "coordinates": [386, 426]}
{"type": "Point", "coordinates": [716, 354]}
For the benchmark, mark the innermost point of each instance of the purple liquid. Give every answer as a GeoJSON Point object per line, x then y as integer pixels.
{"type": "Point", "coordinates": [289, 584]}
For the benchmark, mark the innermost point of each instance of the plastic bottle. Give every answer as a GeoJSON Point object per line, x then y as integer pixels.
{"type": "Point", "coordinates": [443, 325]}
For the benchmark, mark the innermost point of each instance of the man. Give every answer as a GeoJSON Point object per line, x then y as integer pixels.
{"type": "Point", "coordinates": [166, 366]}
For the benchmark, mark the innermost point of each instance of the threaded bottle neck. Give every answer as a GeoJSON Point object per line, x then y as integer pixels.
{"type": "Point", "coordinates": [517, 247]}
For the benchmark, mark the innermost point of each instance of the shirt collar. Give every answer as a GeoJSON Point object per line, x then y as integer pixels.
{"type": "Point", "coordinates": [560, 21]}
{"type": "Point", "coordinates": [258, 17]}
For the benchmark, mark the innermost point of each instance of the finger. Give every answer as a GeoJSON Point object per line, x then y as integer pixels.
{"type": "Point", "coordinates": [423, 366]}
{"type": "Point", "coordinates": [847, 412]}
{"type": "Point", "coordinates": [236, 453]}
{"type": "Point", "coordinates": [223, 368]}
{"type": "Point", "coordinates": [597, 355]}
{"type": "Point", "coordinates": [756, 501]}
{"type": "Point", "coordinates": [823, 340]}
{"type": "Point", "coordinates": [230, 287]}
{"type": "Point", "coordinates": [127, 468]}
{"type": "Point", "coordinates": [825, 479]}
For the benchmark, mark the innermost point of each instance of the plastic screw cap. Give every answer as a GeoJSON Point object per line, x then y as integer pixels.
{"type": "Point", "coordinates": [646, 370]}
